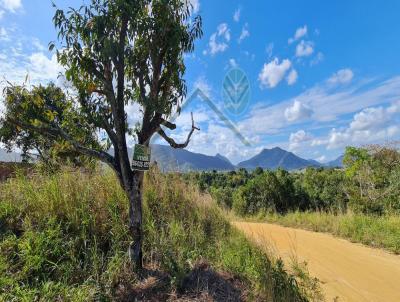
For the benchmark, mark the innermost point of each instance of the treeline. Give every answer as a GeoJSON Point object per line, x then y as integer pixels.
{"type": "Point", "coordinates": [369, 183]}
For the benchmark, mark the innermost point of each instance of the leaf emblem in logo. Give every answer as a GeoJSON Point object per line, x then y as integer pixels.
{"type": "Point", "coordinates": [236, 91]}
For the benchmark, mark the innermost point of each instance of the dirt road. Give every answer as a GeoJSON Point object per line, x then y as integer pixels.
{"type": "Point", "coordinates": [349, 271]}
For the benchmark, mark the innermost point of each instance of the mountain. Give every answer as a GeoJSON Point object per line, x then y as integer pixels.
{"type": "Point", "coordinates": [170, 159]}
{"type": "Point", "coordinates": [224, 158]}
{"type": "Point", "coordinates": [337, 163]}
{"type": "Point", "coordinates": [315, 162]}
{"type": "Point", "coordinates": [277, 158]}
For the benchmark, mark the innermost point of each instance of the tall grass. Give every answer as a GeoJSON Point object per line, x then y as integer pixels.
{"type": "Point", "coordinates": [63, 237]}
{"type": "Point", "coordinates": [376, 231]}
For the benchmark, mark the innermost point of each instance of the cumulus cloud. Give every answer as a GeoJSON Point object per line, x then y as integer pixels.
{"type": "Point", "coordinates": [11, 5]}
{"type": "Point", "coordinates": [370, 125]}
{"type": "Point", "coordinates": [244, 34]}
{"type": "Point", "coordinates": [298, 111]}
{"type": "Point", "coordinates": [296, 139]}
{"type": "Point", "coordinates": [236, 15]}
{"type": "Point", "coordinates": [37, 66]}
{"type": "Point", "coordinates": [342, 76]}
{"type": "Point", "coordinates": [43, 68]}
{"type": "Point", "coordinates": [300, 32]}
{"type": "Point", "coordinates": [304, 48]}
{"type": "Point", "coordinates": [273, 72]}
{"type": "Point", "coordinates": [292, 77]}
{"type": "Point", "coordinates": [219, 40]}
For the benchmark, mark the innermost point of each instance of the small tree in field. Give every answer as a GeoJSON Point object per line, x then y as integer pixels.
{"type": "Point", "coordinates": [116, 52]}
{"type": "Point", "coordinates": [26, 106]}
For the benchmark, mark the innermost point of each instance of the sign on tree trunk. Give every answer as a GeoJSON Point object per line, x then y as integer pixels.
{"type": "Point", "coordinates": [141, 158]}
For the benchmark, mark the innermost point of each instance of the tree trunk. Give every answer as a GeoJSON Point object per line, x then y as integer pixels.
{"type": "Point", "coordinates": [135, 220]}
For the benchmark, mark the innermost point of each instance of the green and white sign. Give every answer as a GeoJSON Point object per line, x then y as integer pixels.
{"type": "Point", "coordinates": [141, 158]}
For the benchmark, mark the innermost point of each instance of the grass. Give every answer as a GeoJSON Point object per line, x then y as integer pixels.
{"type": "Point", "coordinates": [376, 231]}
{"type": "Point", "coordinates": [63, 237]}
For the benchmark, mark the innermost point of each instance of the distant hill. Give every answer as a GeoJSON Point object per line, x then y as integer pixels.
{"type": "Point", "coordinates": [337, 163]}
{"type": "Point", "coordinates": [169, 159]}
{"type": "Point", "coordinates": [224, 158]}
{"type": "Point", "coordinates": [277, 158]}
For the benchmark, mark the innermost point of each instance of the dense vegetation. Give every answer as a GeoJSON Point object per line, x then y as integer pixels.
{"type": "Point", "coordinates": [63, 237]}
{"type": "Point", "coordinates": [369, 184]}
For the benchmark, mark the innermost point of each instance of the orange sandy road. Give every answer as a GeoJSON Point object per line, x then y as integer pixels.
{"type": "Point", "coordinates": [349, 271]}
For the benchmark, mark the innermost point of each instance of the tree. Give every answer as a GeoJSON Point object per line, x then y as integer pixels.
{"type": "Point", "coordinates": [371, 174]}
{"type": "Point", "coordinates": [24, 105]}
{"type": "Point", "coordinates": [115, 53]}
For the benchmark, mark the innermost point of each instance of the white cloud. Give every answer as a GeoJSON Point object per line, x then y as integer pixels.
{"type": "Point", "coordinates": [219, 40]}
{"type": "Point", "coordinates": [15, 67]}
{"type": "Point", "coordinates": [223, 30]}
{"type": "Point", "coordinates": [202, 84]}
{"type": "Point", "coordinates": [296, 139]}
{"type": "Point", "coordinates": [300, 32]}
{"type": "Point", "coordinates": [328, 106]}
{"type": "Point", "coordinates": [236, 15]}
{"type": "Point", "coordinates": [370, 125]}
{"type": "Point", "coordinates": [233, 63]}
{"type": "Point", "coordinates": [1, 14]}
{"type": "Point", "coordinates": [318, 58]}
{"type": "Point", "coordinates": [244, 34]}
{"type": "Point", "coordinates": [134, 114]}
{"type": "Point", "coordinates": [304, 48]}
{"type": "Point", "coordinates": [43, 68]}
{"type": "Point", "coordinates": [369, 118]}
{"type": "Point", "coordinates": [292, 77]}
{"type": "Point", "coordinates": [39, 46]}
{"type": "Point", "coordinates": [342, 76]}
{"type": "Point", "coordinates": [11, 5]}
{"type": "Point", "coordinates": [273, 72]}
{"type": "Point", "coordinates": [298, 111]}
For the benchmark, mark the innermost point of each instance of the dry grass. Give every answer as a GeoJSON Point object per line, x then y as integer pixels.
{"type": "Point", "coordinates": [375, 231]}
{"type": "Point", "coordinates": [63, 237]}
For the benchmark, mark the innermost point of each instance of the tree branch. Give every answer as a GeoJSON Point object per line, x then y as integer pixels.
{"type": "Point", "coordinates": [172, 142]}
{"type": "Point", "coordinates": [168, 124]}
{"type": "Point", "coordinates": [56, 131]}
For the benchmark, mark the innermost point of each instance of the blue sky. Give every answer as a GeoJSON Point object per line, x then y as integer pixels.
{"type": "Point", "coordinates": [323, 75]}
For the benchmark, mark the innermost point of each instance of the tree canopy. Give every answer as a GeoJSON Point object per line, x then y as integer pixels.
{"type": "Point", "coordinates": [114, 53]}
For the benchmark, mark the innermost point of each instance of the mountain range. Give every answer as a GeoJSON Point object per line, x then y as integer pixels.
{"type": "Point", "coordinates": [169, 159]}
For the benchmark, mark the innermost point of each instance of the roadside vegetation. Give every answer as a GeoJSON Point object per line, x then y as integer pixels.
{"type": "Point", "coordinates": [64, 237]}
{"type": "Point", "coordinates": [360, 202]}
{"type": "Point", "coordinates": [377, 231]}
